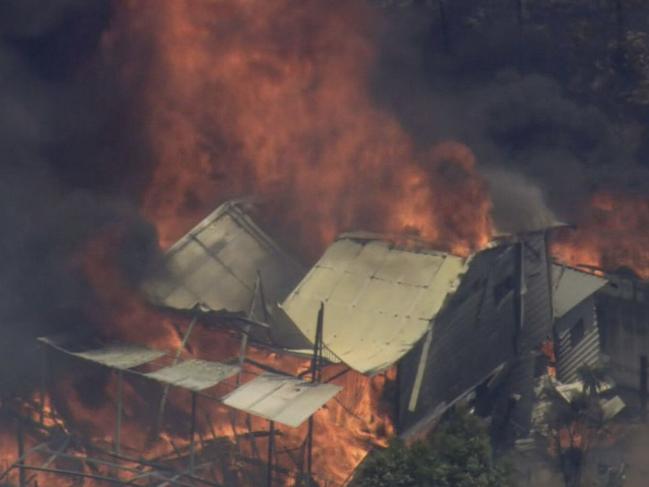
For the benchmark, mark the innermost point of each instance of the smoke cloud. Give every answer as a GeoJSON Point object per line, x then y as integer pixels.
{"type": "Point", "coordinates": [60, 168]}
{"type": "Point", "coordinates": [512, 96]}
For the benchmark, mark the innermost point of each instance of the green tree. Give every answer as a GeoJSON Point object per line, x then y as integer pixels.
{"type": "Point", "coordinates": [575, 425]}
{"type": "Point", "coordinates": [457, 454]}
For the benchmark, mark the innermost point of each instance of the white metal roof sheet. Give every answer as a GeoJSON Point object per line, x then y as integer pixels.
{"type": "Point", "coordinates": [379, 299]}
{"type": "Point", "coordinates": [115, 355]}
{"type": "Point", "coordinates": [121, 356]}
{"type": "Point", "coordinates": [284, 399]}
{"type": "Point", "coordinates": [571, 287]}
{"type": "Point", "coordinates": [217, 262]}
{"type": "Point", "coordinates": [195, 375]}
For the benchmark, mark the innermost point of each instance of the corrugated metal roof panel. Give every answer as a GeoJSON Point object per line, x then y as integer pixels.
{"type": "Point", "coordinates": [571, 287]}
{"type": "Point", "coordinates": [195, 374]}
{"type": "Point", "coordinates": [121, 356]}
{"type": "Point", "coordinates": [284, 399]}
{"type": "Point", "coordinates": [379, 299]}
{"type": "Point", "coordinates": [216, 265]}
{"type": "Point", "coordinates": [115, 355]}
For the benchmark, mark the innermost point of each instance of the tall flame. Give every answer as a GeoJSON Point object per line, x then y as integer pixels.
{"type": "Point", "coordinates": [273, 98]}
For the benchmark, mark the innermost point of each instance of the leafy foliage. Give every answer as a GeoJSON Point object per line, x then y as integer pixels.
{"type": "Point", "coordinates": [575, 424]}
{"type": "Point", "coordinates": [457, 454]}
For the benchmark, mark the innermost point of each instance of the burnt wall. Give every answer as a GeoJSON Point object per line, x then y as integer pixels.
{"type": "Point", "coordinates": [473, 336]}
{"type": "Point", "coordinates": [623, 316]}
{"type": "Point", "coordinates": [578, 340]}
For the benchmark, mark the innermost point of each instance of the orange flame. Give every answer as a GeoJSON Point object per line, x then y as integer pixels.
{"type": "Point", "coordinates": [274, 99]}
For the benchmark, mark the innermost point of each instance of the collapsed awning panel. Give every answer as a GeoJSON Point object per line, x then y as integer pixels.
{"type": "Point", "coordinates": [284, 399]}
{"type": "Point", "coordinates": [195, 375]}
{"type": "Point", "coordinates": [217, 263]}
{"type": "Point", "coordinates": [379, 299]}
{"type": "Point", "coordinates": [571, 287]}
{"type": "Point", "coordinates": [115, 355]}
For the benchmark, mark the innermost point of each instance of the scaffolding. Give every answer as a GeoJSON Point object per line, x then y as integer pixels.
{"type": "Point", "coordinates": [220, 461]}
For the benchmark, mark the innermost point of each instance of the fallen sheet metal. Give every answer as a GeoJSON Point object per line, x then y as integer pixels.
{"type": "Point", "coordinates": [572, 390]}
{"type": "Point", "coordinates": [280, 398]}
{"type": "Point", "coordinates": [612, 407]}
{"type": "Point", "coordinates": [379, 299]}
{"type": "Point", "coordinates": [195, 375]}
{"type": "Point", "coordinates": [115, 355]}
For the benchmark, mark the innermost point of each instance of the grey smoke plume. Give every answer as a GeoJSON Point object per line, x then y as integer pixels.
{"type": "Point", "coordinates": [518, 205]}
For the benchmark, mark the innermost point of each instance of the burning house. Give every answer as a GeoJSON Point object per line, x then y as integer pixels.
{"type": "Point", "coordinates": [301, 353]}
{"type": "Point", "coordinates": [373, 311]}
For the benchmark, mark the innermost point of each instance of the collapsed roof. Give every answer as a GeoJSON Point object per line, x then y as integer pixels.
{"type": "Point", "coordinates": [379, 298]}
{"type": "Point", "coordinates": [216, 266]}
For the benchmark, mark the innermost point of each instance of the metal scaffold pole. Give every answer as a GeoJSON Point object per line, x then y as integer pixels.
{"type": "Point", "coordinates": [165, 391]}
{"type": "Point", "coordinates": [192, 434]}
{"type": "Point", "coordinates": [22, 480]}
{"type": "Point", "coordinates": [118, 422]}
{"type": "Point", "coordinates": [315, 377]}
{"type": "Point", "coordinates": [271, 450]}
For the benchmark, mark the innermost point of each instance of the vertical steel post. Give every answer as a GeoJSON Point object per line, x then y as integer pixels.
{"type": "Point", "coordinates": [165, 392]}
{"type": "Point", "coordinates": [118, 422]}
{"type": "Point", "coordinates": [315, 377]}
{"type": "Point", "coordinates": [192, 434]}
{"type": "Point", "coordinates": [643, 386]}
{"type": "Point", "coordinates": [271, 450]}
{"type": "Point", "coordinates": [246, 329]}
{"type": "Point", "coordinates": [43, 384]}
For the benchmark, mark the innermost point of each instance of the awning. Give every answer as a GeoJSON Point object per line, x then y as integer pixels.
{"type": "Point", "coordinates": [114, 355]}
{"type": "Point", "coordinates": [195, 375]}
{"type": "Point", "coordinates": [280, 398]}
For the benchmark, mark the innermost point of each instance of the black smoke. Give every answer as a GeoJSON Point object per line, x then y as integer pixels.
{"type": "Point", "coordinates": [66, 156]}
{"type": "Point", "coordinates": [548, 96]}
